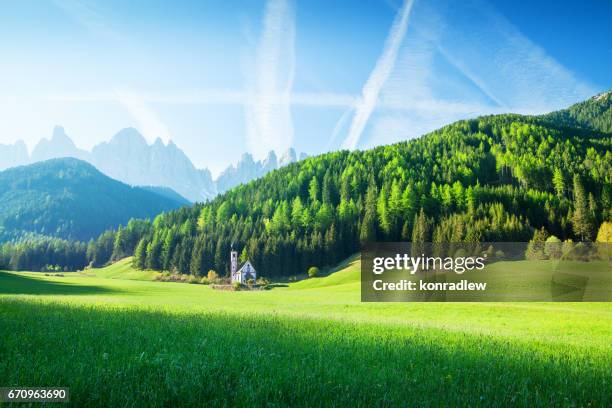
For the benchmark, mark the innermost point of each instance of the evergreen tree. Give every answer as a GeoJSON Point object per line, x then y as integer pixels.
{"type": "Point", "coordinates": [140, 254]}
{"type": "Point", "coordinates": [196, 266]}
{"type": "Point", "coordinates": [154, 249]}
{"type": "Point", "coordinates": [368, 225]}
{"type": "Point", "coordinates": [559, 182]}
{"type": "Point", "coordinates": [420, 229]}
{"type": "Point", "coordinates": [581, 220]}
{"type": "Point", "coordinates": [243, 255]}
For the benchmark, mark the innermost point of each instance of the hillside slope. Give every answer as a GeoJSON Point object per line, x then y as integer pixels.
{"type": "Point", "coordinates": [69, 198]}
{"type": "Point", "coordinates": [594, 114]}
{"type": "Point", "coordinates": [120, 270]}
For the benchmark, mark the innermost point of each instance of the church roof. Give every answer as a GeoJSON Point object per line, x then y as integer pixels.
{"type": "Point", "coordinates": [245, 264]}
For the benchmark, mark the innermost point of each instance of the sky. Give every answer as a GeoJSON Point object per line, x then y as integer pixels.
{"type": "Point", "coordinates": [221, 78]}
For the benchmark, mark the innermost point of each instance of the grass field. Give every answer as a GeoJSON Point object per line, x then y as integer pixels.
{"type": "Point", "coordinates": [116, 338]}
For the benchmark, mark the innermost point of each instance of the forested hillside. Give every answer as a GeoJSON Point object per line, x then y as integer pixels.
{"type": "Point", "coordinates": [496, 178]}
{"type": "Point", "coordinates": [70, 199]}
{"type": "Point", "coordinates": [594, 114]}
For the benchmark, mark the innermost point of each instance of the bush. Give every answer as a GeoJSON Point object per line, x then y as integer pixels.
{"type": "Point", "coordinates": [313, 271]}
{"type": "Point", "coordinates": [237, 285]}
{"type": "Point", "coordinates": [193, 279]}
{"type": "Point", "coordinates": [263, 281]}
{"type": "Point", "coordinates": [212, 276]}
{"type": "Point", "coordinates": [535, 248]}
{"type": "Point", "coordinates": [204, 281]}
{"type": "Point", "coordinates": [605, 232]}
{"type": "Point", "coordinates": [553, 247]}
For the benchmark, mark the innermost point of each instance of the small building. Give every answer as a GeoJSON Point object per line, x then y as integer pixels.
{"type": "Point", "coordinates": [243, 274]}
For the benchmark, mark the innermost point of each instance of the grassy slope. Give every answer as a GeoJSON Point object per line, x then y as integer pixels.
{"type": "Point", "coordinates": [121, 270]}
{"type": "Point", "coordinates": [189, 343]}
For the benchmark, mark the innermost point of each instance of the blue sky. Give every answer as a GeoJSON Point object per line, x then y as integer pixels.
{"type": "Point", "coordinates": [222, 78]}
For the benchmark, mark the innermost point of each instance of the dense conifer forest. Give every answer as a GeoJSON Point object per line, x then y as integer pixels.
{"type": "Point", "coordinates": [495, 178]}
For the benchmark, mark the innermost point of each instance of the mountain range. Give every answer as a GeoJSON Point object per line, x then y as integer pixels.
{"type": "Point", "coordinates": [128, 157]}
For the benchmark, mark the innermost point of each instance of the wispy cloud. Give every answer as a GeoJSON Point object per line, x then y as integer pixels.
{"type": "Point", "coordinates": [218, 97]}
{"type": "Point", "coordinates": [268, 117]}
{"type": "Point", "coordinates": [378, 76]}
{"type": "Point", "coordinates": [508, 68]}
{"type": "Point", "coordinates": [89, 16]}
{"type": "Point", "coordinates": [454, 62]}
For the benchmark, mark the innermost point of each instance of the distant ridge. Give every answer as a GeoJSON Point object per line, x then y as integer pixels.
{"type": "Point", "coordinates": [69, 198]}
{"type": "Point", "coordinates": [168, 193]}
{"type": "Point", "coordinates": [594, 114]}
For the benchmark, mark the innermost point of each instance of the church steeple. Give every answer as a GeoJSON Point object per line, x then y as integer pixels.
{"type": "Point", "coordinates": [233, 261]}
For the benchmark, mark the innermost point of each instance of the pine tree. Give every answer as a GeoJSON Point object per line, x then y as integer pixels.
{"type": "Point", "coordinates": [559, 182]}
{"type": "Point", "coordinates": [313, 190]}
{"type": "Point", "coordinates": [154, 254]}
{"type": "Point", "coordinates": [220, 260]}
{"type": "Point", "coordinates": [368, 225]}
{"type": "Point", "coordinates": [243, 255]}
{"type": "Point", "coordinates": [581, 220]}
{"type": "Point", "coordinates": [140, 254]}
{"type": "Point", "coordinates": [419, 234]}
{"type": "Point", "coordinates": [195, 266]}
{"type": "Point", "coordinates": [383, 212]}
{"type": "Point", "coordinates": [420, 228]}
{"type": "Point", "coordinates": [119, 245]}
{"type": "Point", "coordinates": [331, 241]}
{"type": "Point", "coordinates": [168, 247]}
{"type": "Point", "coordinates": [328, 193]}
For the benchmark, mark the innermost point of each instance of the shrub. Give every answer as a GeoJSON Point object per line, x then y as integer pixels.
{"type": "Point", "coordinates": [535, 248]}
{"type": "Point", "coordinates": [204, 281]}
{"type": "Point", "coordinates": [237, 285]}
{"type": "Point", "coordinates": [553, 247]}
{"type": "Point", "coordinates": [313, 271]}
{"type": "Point", "coordinates": [605, 232]}
{"type": "Point", "coordinates": [212, 276]}
{"type": "Point", "coordinates": [262, 281]}
{"type": "Point", "coordinates": [193, 279]}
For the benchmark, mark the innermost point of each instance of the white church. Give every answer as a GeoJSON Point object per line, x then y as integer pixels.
{"type": "Point", "coordinates": [246, 271]}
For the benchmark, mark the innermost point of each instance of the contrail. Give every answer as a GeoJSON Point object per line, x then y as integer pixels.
{"type": "Point", "coordinates": [378, 77]}
{"type": "Point", "coordinates": [269, 120]}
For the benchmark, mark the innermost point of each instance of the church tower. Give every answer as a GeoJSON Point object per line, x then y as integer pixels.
{"type": "Point", "coordinates": [233, 262]}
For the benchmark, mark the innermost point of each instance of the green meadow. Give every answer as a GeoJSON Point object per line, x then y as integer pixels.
{"type": "Point", "coordinates": [117, 338]}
